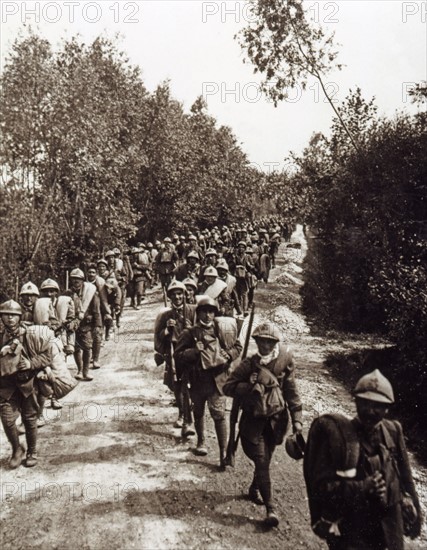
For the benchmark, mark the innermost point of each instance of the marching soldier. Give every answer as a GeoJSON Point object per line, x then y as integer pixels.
{"type": "Point", "coordinates": [205, 353]}
{"type": "Point", "coordinates": [24, 351]}
{"type": "Point", "coordinates": [166, 262]}
{"type": "Point", "coordinates": [167, 329]}
{"type": "Point", "coordinates": [262, 425]}
{"type": "Point", "coordinates": [189, 269]}
{"type": "Point", "coordinates": [359, 482]}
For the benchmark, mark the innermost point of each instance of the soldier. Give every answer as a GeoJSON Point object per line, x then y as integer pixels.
{"type": "Point", "coordinates": [25, 350]}
{"type": "Point", "coordinates": [140, 264]}
{"type": "Point", "coordinates": [168, 326]}
{"type": "Point", "coordinates": [190, 268]}
{"type": "Point", "coordinates": [205, 353]}
{"type": "Point", "coordinates": [233, 302]}
{"type": "Point", "coordinates": [262, 429]}
{"type": "Point", "coordinates": [166, 262]}
{"type": "Point", "coordinates": [65, 314]}
{"type": "Point", "coordinates": [88, 318]}
{"type": "Point", "coordinates": [243, 273]}
{"type": "Point", "coordinates": [215, 288]}
{"type": "Point", "coordinates": [359, 482]}
{"type": "Point", "coordinates": [191, 290]}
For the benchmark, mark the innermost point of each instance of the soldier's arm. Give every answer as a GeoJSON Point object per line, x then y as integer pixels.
{"type": "Point", "coordinates": [291, 394]}
{"type": "Point", "coordinates": [237, 384]}
{"type": "Point", "coordinates": [185, 349]}
{"type": "Point", "coordinates": [162, 337]}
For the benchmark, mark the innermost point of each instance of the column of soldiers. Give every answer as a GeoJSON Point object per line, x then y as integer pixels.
{"type": "Point", "coordinates": [359, 482]}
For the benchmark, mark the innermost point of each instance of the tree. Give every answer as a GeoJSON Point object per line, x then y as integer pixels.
{"type": "Point", "coordinates": [286, 47]}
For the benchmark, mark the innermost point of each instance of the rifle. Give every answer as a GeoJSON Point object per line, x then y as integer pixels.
{"type": "Point", "coordinates": [165, 296]}
{"type": "Point", "coordinates": [233, 441]}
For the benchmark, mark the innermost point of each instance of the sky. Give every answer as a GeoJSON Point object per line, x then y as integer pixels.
{"type": "Point", "coordinates": [382, 43]}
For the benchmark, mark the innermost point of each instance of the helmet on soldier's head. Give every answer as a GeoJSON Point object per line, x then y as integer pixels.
{"type": "Point", "coordinates": [190, 282]}
{"type": "Point", "coordinates": [222, 264]}
{"type": "Point", "coordinates": [149, 245]}
{"type": "Point", "coordinates": [206, 302]}
{"type": "Point", "coordinates": [77, 274]}
{"type": "Point", "coordinates": [249, 249]}
{"type": "Point", "coordinates": [134, 250]}
{"type": "Point", "coordinates": [210, 271]}
{"type": "Point", "coordinates": [29, 288]}
{"type": "Point", "coordinates": [49, 283]}
{"type": "Point", "coordinates": [211, 252]}
{"type": "Point", "coordinates": [109, 253]}
{"type": "Point", "coordinates": [241, 243]}
{"type": "Point", "coordinates": [116, 251]}
{"type": "Point", "coordinates": [176, 285]}
{"type": "Point", "coordinates": [182, 238]}
{"type": "Point", "coordinates": [167, 240]}
{"type": "Point", "coordinates": [295, 446]}
{"type": "Point", "coordinates": [10, 307]}
{"type": "Point", "coordinates": [375, 387]}
{"type": "Point", "coordinates": [192, 254]}
{"type": "Point", "coordinates": [102, 261]}
{"type": "Point", "coordinates": [192, 238]}
{"type": "Point", "coordinates": [267, 330]}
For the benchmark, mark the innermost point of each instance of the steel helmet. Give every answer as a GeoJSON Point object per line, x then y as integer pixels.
{"type": "Point", "coordinates": [222, 264]}
{"type": "Point", "coordinates": [149, 245]}
{"type": "Point", "coordinates": [11, 307]}
{"type": "Point", "coordinates": [192, 238]}
{"type": "Point", "coordinates": [116, 251]}
{"type": "Point", "coordinates": [29, 288]}
{"type": "Point", "coordinates": [77, 274]}
{"type": "Point", "coordinates": [267, 330]}
{"type": "Point", "coordinates": [109, 253]}
{"type": "Point", "coordinates": [176, 285]}
{"type": "Point", "coordinates": [182, 238]}
{"type": "Point", "coordinates": [49, 283]}
{"type": "Point", "coordinates": [193, 254]}
{"type": "Point", "coordinates": [374, 386]}
{"type": "Point", "coordinates": [102, 261]}
{"type": "Point", "coordinates": [204, 301]}
{"type": "Point", "coordinates": [190, 282]}
{"type": "Point", "coordinates": [167, 240]}
{"type": "Point", "coordinates": [211, 252]}
{"type": "Point", "coordinates": [210, 271]}
{"type": "Point", "coordinates": [249, 249]}
{"type": "Point", "coordinates": [241, 243]}
{"type": "Point", "coordinates": [295, 446]}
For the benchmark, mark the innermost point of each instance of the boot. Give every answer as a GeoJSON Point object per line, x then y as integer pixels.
{"type": "Point", "coordinates": [200, 429]}
{"type": "Point", "coordinates": [31, 460]}
{"type": "Point", "coordinates": [271, 519]}
{"type": "Point", "coordinates": [86, 362]}
{"type": "Point", "coordinates": [31, 437]}
{"type": "Point", "coordinates": [221, 434]}
{"type": "Point", "coordinates": [187, 430]}
{"type": "Point", "coordinates": [79, 363]}
{"type": "Point", "coordinates": [16, 458]}
{"type": "Point", "coordinates": [55, 404]}
{"type": "Point", "coordinates": [254, 495]}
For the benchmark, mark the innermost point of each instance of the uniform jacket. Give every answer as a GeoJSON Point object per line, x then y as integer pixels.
{"type": "Point", "coordinates": [187, 356]}
{"type": "Point", "coordinates": [238, 385]}
{"type": "Point", "coordinates": [183, 272]}
{"type": "Point", "coordinates": [360, 517]}
{"type": "Point", "coordinates": [36, 344]}
{"type": "Point", "coordinates": [162, 337]}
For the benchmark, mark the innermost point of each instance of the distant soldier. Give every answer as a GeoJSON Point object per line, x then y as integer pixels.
{"type": "Point", "coordinates": [243, 271]}
{"type": "Point", "coordinates": [205, 353]}
{"type": "Point", "coordinates": [140, 263]}
{"type": "Point", "coordinates": [191, 290]}
{"type": "Point", "coordinates": [359, 482]}
{"type": "Point", "coordinates": [191, 268]}
{"type": "Point", "coordinates": [215, 288]}
{"type": "Point", "coordinates": [261, 430]}
{"type": "Point", "coordinates": [168, 327]}
{"type": "Point", "coordinates": [166, 262]}
{"type": "Point", "coordinates": [233, 302]}
{"type": "Point", "coordinates": [24, 351]}
{"type": "Point", "coordinates": [88, 319]}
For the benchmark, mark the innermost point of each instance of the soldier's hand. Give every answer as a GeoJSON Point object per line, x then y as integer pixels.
{"type": "Point", "coordinates": [200, 346]}
{"type": "Point", "coordinates": [253, 378]}
{"type": "Point", "coordinates": [188, 323]}
{"type": "Point", "coordinates": [375, 484]}
{"type": "Point", "coordinates": [297, 427]}
{"type": "Point", "coordinates": [170, 323]}
{"type": "Point", "coordinates": [24, 364]}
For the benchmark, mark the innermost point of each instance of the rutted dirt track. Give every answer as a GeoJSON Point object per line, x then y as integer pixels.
{"type": "Point", "coordinates": [113, 472]}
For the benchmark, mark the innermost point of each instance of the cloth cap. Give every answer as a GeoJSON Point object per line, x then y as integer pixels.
{"type": "Point", "coordinates": [295, 446]}
{"type": "Point", "coordinates": [376, 387]}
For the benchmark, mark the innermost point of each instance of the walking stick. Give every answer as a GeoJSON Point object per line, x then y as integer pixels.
{"type": "Point", "coordinates": [233, 441]}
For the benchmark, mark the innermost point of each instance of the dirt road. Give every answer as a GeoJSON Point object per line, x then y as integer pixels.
{"type": "Point", "coordinates": [114, 473]}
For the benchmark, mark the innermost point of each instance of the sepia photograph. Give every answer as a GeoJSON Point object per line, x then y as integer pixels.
{"type": "Point", "coordinates": [213, 274]}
